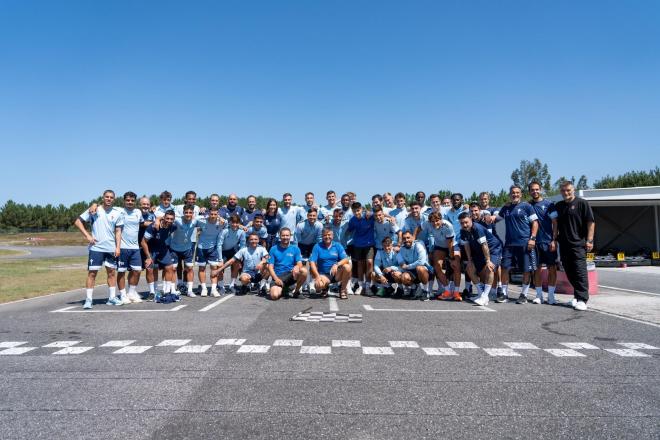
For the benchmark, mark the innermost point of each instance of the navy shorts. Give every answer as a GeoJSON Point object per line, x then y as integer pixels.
{"type": "Point", "coordinates": [442, 249]}
{"type": "Point", "coordinates": [255, 276]}
{"type": "Point", "coordinates": [207, 256]}
{"type": "Point", "coordinates": [287, 279]}
{"type": "Point", "coordinates": [185, 256]}
{"type": "Point", "coordinates": [98, 259]}
{"type": "Point", "coordinates": [129, 259]}
{"type": "Point", "coordinates": [545, 255]}
{"type": "Point", "coordinates": [162, 259]}
{"type": "Point", "coordinates": [519, 257]}
{"type": "Point", "coordinates": [480, 263]}
{"type": "Point", "coordinates": [227, 254]}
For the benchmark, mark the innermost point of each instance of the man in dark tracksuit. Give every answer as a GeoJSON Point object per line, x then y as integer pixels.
{"type": "Point", "coordinates": [575, 235]}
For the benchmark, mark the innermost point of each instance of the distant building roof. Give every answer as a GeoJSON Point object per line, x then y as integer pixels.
{"type": "Point", "coordinates": [641, 195]}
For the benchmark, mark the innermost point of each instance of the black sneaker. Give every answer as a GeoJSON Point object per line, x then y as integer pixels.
{"type": "Point", "coordinates": [263, 291]}
{"type": "Point", "coordinates": [522, 299]}
{"type": "Point", "coordinates": [499, 291]}
{"type": "Point", "coordinates": [500, 298]}
{"type": "Point", "coordinates": [373, 289]}
{"type": "Point", "coordinates": [399, 292]}
{"type": "Point", "coordinates": [243, 290]}
{"type": "Point", "coordinates": [389, 290]}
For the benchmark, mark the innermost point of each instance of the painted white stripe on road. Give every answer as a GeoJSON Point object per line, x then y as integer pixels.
{"type": "Point", "coordinates": [173, 343]}
{"type": "Point", "coordinates": [176, 309]}
{"type": "Point", "coordinates": [17, 350]}
{"type": "Point", "coordinates": [563, 352]}
{"type": "Point", "coordinates": [579, 346]}
{"type": "Point", "coordinates": [11, 344]}
{"type": "Point", "coordinates": [332, 304]}
{"type": "Point", "coordinates": [253, 349]}
{"type": "Point", "coordinates": [462, 345]}
{"type": "Point", "coordinates": [345, 343]}
{"type": "Point", "coordinates": [73, 350]}
{"type": "Point", "coordinates": [521, 345]}
{"type": "Point", "coordinates": [61, 344]}
{"type": "Point", "coordinates": [118, 310]}
{"type": "Point", "coordinates": [216, 303]}
{"type": "Point", "coordinates": [472, 309]}
{"type": "Point", "coordinates": [629, 290]}
{"type": "Point", "coordinates": [315, 349]}
{"type": "Point", "coordinates": [288, 343]}
{"type": "Point", "coordinates": [638, 346]}
{"type": "Point", "coordinates": [439, 351]}
{"type": "Point", "coordinates": [230, 342]}
{"type": "Point", "coordinates": [377, 350]}
{"type": "Point", "coordinates": [403, 344]}
{"type": "Point", "coordinates": [118, 343]}
{"type": "Point", "coordinates": [192, 349]}
{"type": "Point", "coordinates": [625, 352]}
{"type": "Point", "coordinates": [501, 352]}
{"type": "Point", "coordinates": [639, 321]}
{"type": "Point", "coordinates": [63, 310]}
{"type": "Point", "coordinates": [133, 349]}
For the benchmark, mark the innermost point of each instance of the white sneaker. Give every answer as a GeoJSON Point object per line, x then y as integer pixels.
{"type": "Point", "coordinates": [537, 300]}
{"type": "Point", "coordinates": [214, 293]}
{"type": "Point", "coordinates": [573, 303]}
{"type": "Point", "coordinates": [204, 292]}
{"type": "Point", "coordinates": [358, 291]}
{"type": "Point", "coordinates": [124, 300]}
{"type": "Point", "coordinates": [134, 297]}
{"type": "Point", "coordinates": [581, 306]}
{"type": "Point", "coordinates": [349, 289]}
{"type": "Point", "coordinates": [481, 301]}
{"type": "Point", "coordinates": [191, 294]}
{"type": "Point", "coordinates": [312, 289]}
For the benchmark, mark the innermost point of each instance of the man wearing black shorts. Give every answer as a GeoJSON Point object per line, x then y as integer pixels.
{"type": "Point", "coordinates": [285, 266]}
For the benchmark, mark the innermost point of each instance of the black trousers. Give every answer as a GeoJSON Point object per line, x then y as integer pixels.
{"type": "Point", "coordinates": [574, 260]}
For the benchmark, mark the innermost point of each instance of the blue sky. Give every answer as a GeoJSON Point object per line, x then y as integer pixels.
{"type": "Point", "coordinates": [274, 96]}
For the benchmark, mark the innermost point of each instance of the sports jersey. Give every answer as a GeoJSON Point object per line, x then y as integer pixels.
{"type": "Point", "coordinates": [320, 214]}
{"type": "Point", "coordinates": [261, 232]}
{"type": "Point", "coordinates": [363, 231]}
{"type": "Point", "coordinates": [130, 222]}
{"type": "Point", "coordinates": [227, 211]}
{"type": "Point", "coordinates": [326, 257]}
{"type": "Point", "coordinates": [291, 216]}
{"type": "Point", "coordinates": [546, 212]}
{"type": "Point", "coordinates": [178, 211]}
{"type": "Point", "coordinates": [251, 257]}
{"type": "Point", "coordinates": [103, 224]}
{"type": "Point", "coordinates": [451, 215]}
{"type": "Point", "coordinates": [436, 236]}
{"type": "Point", "coordinates": [413, 256]}
{"type": "Point", "coordinates": [231, 239]}
{"type": "Point", "coordinates": [284, 258]}
{"type": "Point", "coordinates": [183, 235]}
{"type": "Point", "coordinates": [162, 209]}
{"type": "Point", "coordinates": [273, 223]}
{"type": "Point", "coordinates": [339, 233]}
{"type": "Point", "coordinates": [347, 214]}
{"type": "Point", "coordinates": [248, 216]}
{"type": "Point", "coordinates": [387, 210]}
{"type": "Point", "coordinates": [411, 224]}
{"type": "Point", "coordinates": [209, 236]}
{"type": "Point", "coordinates": [400, 214]}
{"type": "Point", "coordinates": [476, 237]}
{"type": "Point", "coordinates": [158, 240]}
{"type": "Point", "coordinates": [385, 260]}
{"type": "Point", "coordinates": [149, 217]}
{"type": "Point", "coordinates": [307, 233]}
{"type": "Point", "coordinates": [327, 211]}
{"type": "Point", "coordinates": [382, 230]}
{"type": "Point", "coordinates": [518, 218]}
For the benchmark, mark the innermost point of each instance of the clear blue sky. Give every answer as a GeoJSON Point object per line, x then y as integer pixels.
{"type": "Point", "coordinates": [274, 96]}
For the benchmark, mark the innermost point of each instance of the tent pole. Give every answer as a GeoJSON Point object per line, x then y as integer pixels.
{"type": "Point", "coordinates": [657, 230]}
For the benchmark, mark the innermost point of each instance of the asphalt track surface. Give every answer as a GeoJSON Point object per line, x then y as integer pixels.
{"type": "Point", "coordinates": [243, 369]}
{"type": "Point", "coordinates": [38, 252]}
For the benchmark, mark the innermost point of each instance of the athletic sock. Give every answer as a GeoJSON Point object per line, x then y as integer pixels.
{"type": "Point", "coordinates": [111, 292]}
{"type": "Point", "coordinates": [190, 287]}
{"type": "Point", "coordinates": [152, 288]}
{"type": "Point", "coordinates": [89, 293]}
{"type": "Point", "coordinates": [132, 289]}
{"type": "Point", "coordinates": [499, 284]}
{"type": "Point", "coordinates": [505, 289]}
{"type": "Point", "coordinates": [122, 294]}
{"type": "Point", "coordinates": [525, 289]}
{"type": "Point", "coordinates": [486, 291]}
{"type": "Point", "coordinates": [480, 289]}
{"type": "Point", "coordinates": [539, 293]}
{"type": "Point", "coordinates": [551, 293]}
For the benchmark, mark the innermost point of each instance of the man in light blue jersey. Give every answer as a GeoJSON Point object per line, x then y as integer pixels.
{"type": "Point", "coordinates": [231, 208]}
{"type": "Point", "coordinates": [413, 223]}
{"type": "Point", "coordinates": [250, 210]}
{"type": "Point", "coordinates": [345, 205]}
{"type": "Point", "coordinates": [165, 204]}
{"type": "Point", "coordinates": [308, 233]}
{"type": "Point", "coordinates": [386, 271]}
{"type": "Point", "coordinates": [455, 266]}
{"type": "Point", "coordinates": [400, 213]}
{"type": "Point", "coordinates": [388, 202]}
{"type": "Point", "coordinates": [231, 240]}
{"type": "Point", "coordinates": [546, 246]}
{"type": "Point", "coordinates": [182, 242]}
{"type": "Point", "coordinates": [439, 234]}
{"type": "Point", "coordinates": [436, 206]}
{"type": "Point", "coordinates": [285, 267]}
{"type": "Point", "coordinates": [310, 203]}
{"type": "Point", "coordinates": [127, 231]}
{"type": "Point", "coordinates": [208, 251]}
{"type": "Point", "coordinates": [520, 243]}
{"type": "Point", "coordinates": [330, 264]}
{"type": "Point", "coordinates": [328, 209]}
{"type": "Point", "coordinates": [258, 228]}
{"type": "Point", "coordinates": [383, 227]}
{"type": "Point", "coordinates": [102, 246]}
{"type": "Point", "coordinates": [254, 259]}
{"type": "Point", "coordinates": [189, 199]}
{"type": "Point", "coordinates": [420, 197]}
{"type": "Point", "coordinates": [291, 215]}
{"type": "Point", "coordinates": [339, 233]}
{"type": "Point", "coordinates": [148, 219]}
{"type": "Point", "coordinates": [413, 261]}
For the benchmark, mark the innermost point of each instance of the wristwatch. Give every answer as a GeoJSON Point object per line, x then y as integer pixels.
{"type": "Point", "coordinates": [532, 238]}
{"type": "Point", "coordinates": [590, 241]}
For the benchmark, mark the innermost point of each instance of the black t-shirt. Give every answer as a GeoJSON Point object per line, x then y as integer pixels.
{"type": "Point", "coordinates": [572, 221]}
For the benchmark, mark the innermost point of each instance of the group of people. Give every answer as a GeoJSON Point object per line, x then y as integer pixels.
{"type": "Point", "coordinates": [394, 248]}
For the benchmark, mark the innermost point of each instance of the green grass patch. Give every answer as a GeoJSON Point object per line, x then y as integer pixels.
{"type": "Point", "coordinates": [44, 239]}
{"type": "Point", "coordinates": [20, 279]}
{"type": "Point", "coordinates": [10, 253]}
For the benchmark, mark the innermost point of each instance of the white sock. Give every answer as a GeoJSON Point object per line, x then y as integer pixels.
{"type": "Point", "coordinates": [190, 286]}
{"type": "Point", "coordinates": [202, 286]}
{"type": "Point", "coordinates": [214, 287]}
{"type": "Point", "coordinates": [111, 292]}
{"type": "Point", "coordinates": [152, 288]}
{"type": "Point", "coordinates": [132, 289]}
{"type": "Point", "coordinates": [551, 293]}
{"type": "Point", "coordinates": [505, 289]}
{"type": "Point", "coordinates": [486, 291]}
{"type": "Point", "coordinates": [539, 293]}
{"type": "Point", "coordinates": [89, 293]}
{"type": "Point", "coordinates": [233, 282]}
{"type": "Point", "coordinates": [499, 284]}
{"type": "Point", "coordinates": [525, 289]}
{"type": "Point", "coordinates": [451, 286]}
{"type": "Point", "coordinates": [172, 286]}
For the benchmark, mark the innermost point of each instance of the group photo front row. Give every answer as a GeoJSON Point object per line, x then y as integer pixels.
{"type": "Point", "coordinates": [390, 248]}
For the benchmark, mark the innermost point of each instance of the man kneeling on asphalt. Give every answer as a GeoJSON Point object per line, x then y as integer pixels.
{"type": "Point", "coordinates": [285, 266]}
{"type": "Point", "coordinates": [329, 264]}
{"type": "Point", "coordinates": [413, 261]}
{"type": "Point", "coordinates": [484, 253]}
